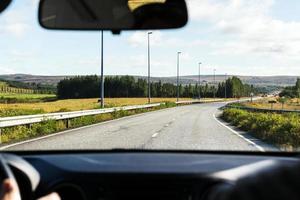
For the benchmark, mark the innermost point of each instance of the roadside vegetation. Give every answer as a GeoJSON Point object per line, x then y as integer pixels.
{"type": "Point", "coordinates": [288, 99]}
{"type": "Point", "coordinates": [18, 133]}
{"type": "Point", "coordinates": [282, 130]}
{"type": "Point", "coordinates": [278, 103]}
{"type": "Point", "coordinates": [291, 91]}
{"type": "Point", "coordinates": [17, 92]}
{"type": "Point", "coordinates": [26, 88]}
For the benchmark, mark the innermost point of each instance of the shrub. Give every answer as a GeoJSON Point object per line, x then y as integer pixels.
{"type": "Point", "coordinates": [280, 129]}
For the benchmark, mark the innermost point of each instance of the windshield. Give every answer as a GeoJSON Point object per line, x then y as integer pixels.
{"type": "Point", "coordinates": [228, 80]}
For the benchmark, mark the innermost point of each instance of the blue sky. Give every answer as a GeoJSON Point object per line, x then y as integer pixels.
{"type": "Point", "coordinates": [245, 37]}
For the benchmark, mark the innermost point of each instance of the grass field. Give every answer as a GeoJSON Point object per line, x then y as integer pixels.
{"type": "Point", "coordinates": [290, 104]}
{"type": "Point", "coordinates": [26, 96]}
{"type": "Point", "coordinates": [80, 104]}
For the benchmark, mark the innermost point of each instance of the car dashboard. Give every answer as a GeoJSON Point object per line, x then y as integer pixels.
{"type": "Point", "coordinates": [144, 175]}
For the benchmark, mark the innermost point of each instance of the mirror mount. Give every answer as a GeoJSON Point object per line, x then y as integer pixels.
{"type": "Point", "coordinates": [116, 32]}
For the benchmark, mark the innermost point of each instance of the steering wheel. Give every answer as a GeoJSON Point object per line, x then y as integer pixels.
{"type": "Point", "coordinates": [27, 176]}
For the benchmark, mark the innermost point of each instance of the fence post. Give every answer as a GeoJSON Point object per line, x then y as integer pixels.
{"type": "Point", "coordinates": [67, 123]}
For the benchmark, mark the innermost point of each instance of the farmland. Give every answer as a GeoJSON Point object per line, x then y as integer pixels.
{"type": "Point", "coordinates": [72, 105]}
{"type": "Point", "coordinates": [25, 96]}
{"type": "Point", "coordinates": [287, 104]}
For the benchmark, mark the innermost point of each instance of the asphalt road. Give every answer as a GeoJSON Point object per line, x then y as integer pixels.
{"type": "Point", "coordinates": [185, 127]}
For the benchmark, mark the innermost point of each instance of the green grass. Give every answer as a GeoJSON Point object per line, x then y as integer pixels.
{"type": "Point", "coordinates": [9, 98]}
{"type": "Point", "coordinates": [282, 130]}
{"type": "Point", "coordinates": [3, 84]}
{"type": "Point", "coordinates": [26, 96]}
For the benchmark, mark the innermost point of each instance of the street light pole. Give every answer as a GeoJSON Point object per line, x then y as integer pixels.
{"type": "Point", "coordinates": [149, 84]}
{"type": "Point", "coordinates": [102, 73]}
{"type": "Point", "coordinates": [225, 86]}
{"type": "Point", "coordinates": [214, 83]}
{"type": "Point", "coordinates": [199, 80]}
{"type": "Point", "coordinates": [178, 53]}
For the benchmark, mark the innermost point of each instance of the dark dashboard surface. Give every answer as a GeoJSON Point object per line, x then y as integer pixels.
{"type": "Point", "coordinates": [133, 175]}
{"type": "Point", "coordinates": [183, 163]}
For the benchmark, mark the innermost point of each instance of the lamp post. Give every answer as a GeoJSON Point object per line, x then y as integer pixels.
{"type": "Point", "coordinates": [102, 73]}
{"type": "Point", "coordinates": [199, 80]}
{"type": "Point", "coordinates": [226, 86]}
{"type": "Point", "coordinates": [178, 54]}
{"type": "Point", "coordinates": [214, 83]}
{"type": "Point", "coordinates": [149, 84]}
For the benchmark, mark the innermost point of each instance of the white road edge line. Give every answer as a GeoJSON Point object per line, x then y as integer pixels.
{"type": "Point", "coordinates": [239, 135]}
{"type": "Point", "coordinates": [79, 128]}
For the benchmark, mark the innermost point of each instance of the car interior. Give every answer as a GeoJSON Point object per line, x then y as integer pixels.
{"type": "Point", "coordinates": [143, 174]}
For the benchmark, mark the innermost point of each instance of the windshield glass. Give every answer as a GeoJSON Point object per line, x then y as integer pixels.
{"type": "Point", "coordinates": [228, 80]}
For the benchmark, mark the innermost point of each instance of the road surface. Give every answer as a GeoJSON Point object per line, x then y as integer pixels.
{"type": "Point", "coordinates": [187, 127]}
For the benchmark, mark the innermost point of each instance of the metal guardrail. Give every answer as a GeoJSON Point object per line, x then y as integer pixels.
{"type": "Point", "coordinates": [262, 109]}
{"type": "Point", "coordinates": [31, 119]}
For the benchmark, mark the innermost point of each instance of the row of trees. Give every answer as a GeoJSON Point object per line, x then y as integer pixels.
{"type": "Point", "coordinates": [292, 91]}
{"type": "Point", "coordinates": [7, 89]}
{"type": "Point", "coordinates": [128, 86]}
{"type": "Point", "coordinates": [26, 88]}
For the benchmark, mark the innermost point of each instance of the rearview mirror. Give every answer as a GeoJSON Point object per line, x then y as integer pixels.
{"type": "Point", "coordinates": [4, 4]}
{"type": "Point", "coordinates": [114, 15]}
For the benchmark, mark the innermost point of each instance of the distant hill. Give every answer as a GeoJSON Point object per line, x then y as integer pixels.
{"type": "Point", "coordinates": [27, 78]}
{"type": "Point", "coordinates": [255, 80]}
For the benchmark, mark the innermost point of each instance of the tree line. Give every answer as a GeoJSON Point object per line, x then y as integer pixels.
{"type": "Point", "coordinates": [7, 86]}
{"type": "Point", "coordinates": [128, 86]}
{"type": "Point", "coordinates": [291, 91]}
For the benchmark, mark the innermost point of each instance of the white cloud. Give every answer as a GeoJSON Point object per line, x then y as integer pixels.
{"type": "Point", "coordinates": [91, 61]}
{"type": "Point", "coordinates": [17, 29]}
{"type": "Point", "coordinates": [140, 38]}
{"type": "Point", "coordinates": [250, 26]}
{"type": "Point", "coordinates": [7, 70]}
{"type": "Point", "coordinates": [15, 22]}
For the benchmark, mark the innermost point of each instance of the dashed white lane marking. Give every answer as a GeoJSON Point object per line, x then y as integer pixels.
{"type": "Point", "coordinates": [155, 135]}
{"type": "Point", "coordinates": [239, 135]}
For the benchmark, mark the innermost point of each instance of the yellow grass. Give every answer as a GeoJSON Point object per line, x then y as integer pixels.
{"type": "Point", "coordinates": [83, 104]}
{"type": "Point", "coordinates": [292, 104]}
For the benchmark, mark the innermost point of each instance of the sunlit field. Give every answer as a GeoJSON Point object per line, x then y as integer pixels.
{"type": "Point", "coordinates": [82, 104]}
{"type": "Point", "coordinates": [288, 104]}
{"type": "Point", "coordinates": [26, 96]}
